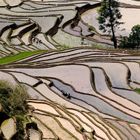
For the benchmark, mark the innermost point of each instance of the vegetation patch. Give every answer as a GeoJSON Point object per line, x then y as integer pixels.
{"type": "Point", "coordinates": [133, 40]}
{"type": "Point", "coordinates": [19, 56]}
{"type": "Point", "coordinates": [13, 101]}
{"type": "Point", "coordinates": [137, 90]}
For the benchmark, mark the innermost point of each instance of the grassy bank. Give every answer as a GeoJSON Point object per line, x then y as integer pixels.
{"type": "Point", "coordinates": [19, 56]}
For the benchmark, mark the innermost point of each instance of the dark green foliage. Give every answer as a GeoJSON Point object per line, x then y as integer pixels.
{"type": "Point", "coordinates": [20, 129]}
{"type": "Point", "coordinates": [5, 92]}
{"type": "Point", "coordinates": [137, 90]}
{"type": "Point", "coordinates": [13, 101]}
{"type": "Point", "coordinates": [133, 41]}
{"type": "Point", "coordinates": [124, 43]}
{"type": "Point", "coordinates": [108, 19]}
{"type": "Point", "coordinates": [18, 101]}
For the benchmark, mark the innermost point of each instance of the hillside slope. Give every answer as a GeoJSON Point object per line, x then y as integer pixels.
{"type": "Point", "coordinates": [82, 93]}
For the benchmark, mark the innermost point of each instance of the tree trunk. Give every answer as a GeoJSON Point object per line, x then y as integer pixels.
{"type": "Point", "coordinates": [112, 27]}
{"type": "Point", "coordinates": [114, 37]}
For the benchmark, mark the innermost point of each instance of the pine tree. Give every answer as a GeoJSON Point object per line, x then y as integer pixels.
{"type": "Point", "coordinates": [108, 19]}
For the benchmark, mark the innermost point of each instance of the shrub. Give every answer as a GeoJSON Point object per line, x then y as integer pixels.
{"type": "Point", "coordinates": [13, 101]}
{"type": "Point", "coordinates": [133, 41]}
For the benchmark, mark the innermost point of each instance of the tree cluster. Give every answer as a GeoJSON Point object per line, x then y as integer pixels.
{"type": "Point", "coordinates": [133, 40]}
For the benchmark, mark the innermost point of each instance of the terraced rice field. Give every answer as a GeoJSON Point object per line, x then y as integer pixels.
{"type": "Point", "coordinates": [76, 98]}
{"type": "Point", "coordinates": [33, 25]}
{"type": "Point", "coordinates": [80, 93]}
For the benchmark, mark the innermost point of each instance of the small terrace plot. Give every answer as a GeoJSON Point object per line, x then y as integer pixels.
{"type": "Point", "coordinates": [128, 94]}
{"type": "Point", "coordinates": [134, 69]}
{"type": "Point", "coordinates": [64, 71]}
{"type": "Point", "coordinates": [66, 56]}
{"type": "Point", "coordinates": [111, 69]}
{"type": "Point", "coordinates": [132, 2]}
{"type": "Point", "coordinates": [55, 126]}
{"type": "Point", "coordinates": [12, 2]}
{"type": "Point", "coordinates": [2, 3]}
